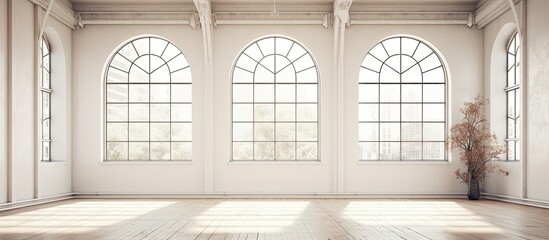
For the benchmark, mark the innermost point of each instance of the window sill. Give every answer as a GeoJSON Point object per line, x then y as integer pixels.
{"type": "Point", "coordinates": [260, 162]}
{"type": "Point", "coordinates": [146, 162]}
{"type": "Point", "coordinates": [404, 162]}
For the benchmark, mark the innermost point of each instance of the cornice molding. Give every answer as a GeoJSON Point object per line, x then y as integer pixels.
{"type": "Point", "coordinates": [449, 18]}
{"type": "Point", "coordinates": [488, 10]}
{"type": "Point", "coordinates": [61, 10]}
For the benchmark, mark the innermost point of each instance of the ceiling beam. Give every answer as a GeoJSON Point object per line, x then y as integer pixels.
{"type": "Point", "coordinates": [488, 10]}
{"type": "Point", "coordinates": [166, 18]}
{"type": "Point", "coordinates": [62, 11]}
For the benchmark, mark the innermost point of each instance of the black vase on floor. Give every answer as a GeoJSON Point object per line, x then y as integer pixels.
{"type": "Point", "coordinates": [473, 188]}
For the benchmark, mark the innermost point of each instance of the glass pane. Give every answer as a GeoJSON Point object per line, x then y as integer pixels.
{"type": "Point", "coordinates": [121, 63]}
{"type": "Point", "coordinates": [139, 132]}
{"type": "Point", "coordinates": [138, 74]}
{"type": "Point", "coordinates": [511, 151]}
{"type": "Point", "coordinates": [372, 64]}
{"type": "Point", "coordinates": [170, 52]}
{"type": "Point", "coordinates": [158, 46]}
{"type": "Point", "coordinates": [422, 52]}
{"type": "Point", "coordinates": [304, 63]}
{"type": "Point", "coordinates": [433, 132]}
{"type": "Point", "coordinates": [379, 52]}
{"type": "Point", "coordinates": [45, 105]}
{"type": "Point", "coordinates": [142, 45]}
{"type": "Point", "coordinates": [264, 71]}
{"type": "Point", "coordinates": [264, 131]}
{"type": "Point", "coordinates": [433, 112]}
{"type": "Point", "coordinates": [307, 76]}
{"type": "Point", "coordinates": [368, 150]}
{"type": "Point", "coordinates": [389, 93]}
{"type": "Point", "coordinates": [389, 112]}
{"type": "Point", "coordinates": [160, 112]}
{"type": "Point", "coordinates": [411, 112]}
{"type": "Point", "coordinates": [182, 93]}
{"type": "Point", "coordinates": [46, 129]}
{"type": "Point", "coordinates": [139, 93]}
{"type": "Point", "coordinates": [139, 112]}
{"type": "Point", "coordinates": [243, 93]}
{"type": "Point", "coordinates": [306, 112]}
{"type": "Point", "coordinates": [306, 132]}
{"type": "Point", "coordinates": [368, 112]}
{"type": "Point", "coordinates": [243, 131]}
{"type": "Point", "coordinates": [160, 75]}
{"type": "Point", "coordinates": [139, 151]}
{"type": "Point", "coordinates": [434, 76]}
{"type": "Point", "coordinates": [307, 151]}
{"type": "Point", "coordinates": [117, 132]}
{"type": "Point", "coordinates": [285, 132]}
{"type": "Point", "coordinates": [434, 93]}
{"type": "Point", "coordinates": [368, 131]}
{"type": "Point", "coordinates": [182, 151]}
{"type": "Point", "coordinates": [412, 151]}
{"type": "Point", "coordinates": [246, 63]}
{"type": "Point", "coordinates": [254, 52]}
{"type": "Point", "coordinates": [430, 62]}
{"type": "Point", "coordinates": [306, 93]}
{"type": "Point", "coordinates": [413, 75]}
{"type": "Point", "coordinates": [368, 93]}
{"type": "Point", "coordinates": [115, 75]}
{"type": "Point", "coordinates": [285, 93]}
{"type": "Point", "coordinates": [285, 151]}
{"type": "Point", "coordinates": [182, 76]}
{"type": "Point", "coordinates": [160, 93]}
{"type": "Point", "coordinates": [389, 131]}
{"type": "Point", "coordinates": [411, 92]}
{"type": "Point", "coordinates": [117, 151]}
{"type": "Point", "coordinates": [411, 131]}
{"type": "Point", "coordinates": [160, 151]}
{"type": "Point", "coordinates": [389, 151]}
{"type": "Point", "coordinates": [511, 104]}
{"type": "Point", "coordinates": [264, 112]}
{"type": "Point", "coordinates": [243, 112]}
{"type": "Point", "coordinates": [389, 75]}
{"type": "Point", "coordinates": [368, 76]}
{"type": "Point", "coordinates": [409, 46]}
{"type": "Point", "coordinates": [285, 112]}
{"type": "Point", "coordinates": [392, 46]}
{"type": "Point", "coordinates": [264, 93]}
{"type": "Point", "coordinates": [433, 151]}
{"type": "Point", "coordinates": [46, 151]}
{"type": "Point", "coordinates": [178, 63]}
{"type": "Point", "coordinates": [511, 128]}
{"type": "Point", "coordinates": [182, 132]}
{"type": "Point", "coordinates": [242, 76]}
{"type": "Point", "coordinates": [243, 151]}
{"type": "Point", "coordinates": [117, 112]}
{"type": "Point", "coordinates": [264, 151]}
{"type": "Point", "coordinates": [182, 112]}
{"type": "Point", "coordinates": [160, 131]}
{"type": "Point", "coordinates": [286, 74]}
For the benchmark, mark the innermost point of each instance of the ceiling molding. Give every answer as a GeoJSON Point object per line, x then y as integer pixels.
{"type": "Point", "coordinates": [448, 18]}
{"type": "Point", "coordinates": [285, 18]}
{"type": "Point", "coordinates": [488, 11]}
{"type": "Point", "coordinates": [166, 18]}
{"type": "Point", "coordinates": [61, 10]}
{"type": "Point", "coordinates": [268, 7]}
{"type": "Point", "coordinates": [414, 7]}
{"type": "Point", "coordinates": [134, 7]}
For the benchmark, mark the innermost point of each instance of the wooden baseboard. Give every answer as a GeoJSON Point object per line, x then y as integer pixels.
{"type": "Point", "coordinates": [262, 196]}
{"type": "Point", "coordinates": [37, 201]}
{"type": "Point", "coordinates": [521, 201]}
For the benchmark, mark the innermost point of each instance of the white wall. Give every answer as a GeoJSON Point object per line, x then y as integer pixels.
{"type": "Point", "coordinates": [271, 177]}
{"type": "Point", "coordinates": [537, 99]}
{"type": "Point", "coordinates": [93, 45]}
{"type": "Point", "coordinates": [48, 179]}
{"type": "Point", "coordinates": [461, 47]}
{"type": "Point", "coordinates": [92, 49]}
{"type": "Point", "coordinates": [3, 101]}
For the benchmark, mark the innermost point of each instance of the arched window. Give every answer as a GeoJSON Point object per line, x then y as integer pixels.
{"type": "Point", "coordinates": [513, 99]}
{"type": "Point", "coordinates": [148, 96]}
{"type": "Point", "coordinates": [402, 102]}
{"type": "Point", "coordinates": [275, 102]}
{"type": "Point", "coordinates": [45, 99]}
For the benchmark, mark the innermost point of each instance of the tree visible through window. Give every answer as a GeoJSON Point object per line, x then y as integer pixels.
{"type": "Point", "coordinates": [513, 99]}
{"type": "Point", "coordinates": [148, 94]}
{"type": "Point", "coordinates": [402, 102]}
{"type": "Point", "coordinates": [275, 102]}
{"type": "Point", "coordinates": [45, 99]}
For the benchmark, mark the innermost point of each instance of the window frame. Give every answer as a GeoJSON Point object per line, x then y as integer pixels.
{"type": "Point", "coordinates": [515, 89]}
{"type": "Point", "coordinates": [105, 103]}
{"type": "Point", "coordinates": [45, 90]}
{"type": "Point", "coordinates": [274, 103]}
{"type": "Point", "coordinates": [401, 103]}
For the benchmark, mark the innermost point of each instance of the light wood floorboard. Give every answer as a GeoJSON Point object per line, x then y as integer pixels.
{"type": "Point", "coordinates": [293, 219]}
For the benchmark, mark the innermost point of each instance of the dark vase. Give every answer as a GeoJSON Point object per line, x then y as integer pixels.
{"type": "Point", "coordinates": [473, 188]}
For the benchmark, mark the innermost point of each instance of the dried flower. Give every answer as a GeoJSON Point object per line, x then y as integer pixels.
{"type": "Point", "coordinates": [477, 144]}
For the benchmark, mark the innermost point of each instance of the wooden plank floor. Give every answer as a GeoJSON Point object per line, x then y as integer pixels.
{"type": "Point", "coordinates": [275, 219]}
